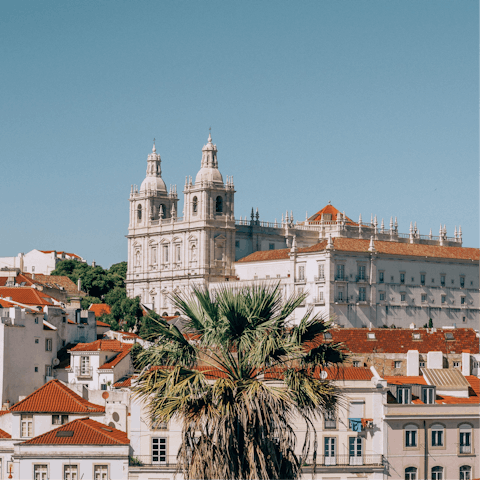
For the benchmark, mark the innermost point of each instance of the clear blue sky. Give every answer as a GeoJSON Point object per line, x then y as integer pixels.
{"type": "Point", "coordinates": [370, 104]}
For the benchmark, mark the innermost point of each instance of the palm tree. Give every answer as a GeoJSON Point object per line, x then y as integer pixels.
{"type": "Point", "coordinates": [236, 378]}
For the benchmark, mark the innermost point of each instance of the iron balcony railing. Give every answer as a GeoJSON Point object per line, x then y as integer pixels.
{"type": "Point", "coordinates": [318, 301]}
{"type": "Point", "coordinates": [367, 460]}
{"type": "Point", "coordinates": [465, 449]}
{"type": "Point", "coordinates": [340, 277]}
{"type": "Point", "coordinates": [319, 278]}
{"type": "Point", "coordinates": [361, 278]}
{"type": "Point", "coordinates": [84, 371]}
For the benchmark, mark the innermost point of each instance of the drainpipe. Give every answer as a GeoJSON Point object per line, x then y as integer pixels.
{"type": "Point", "coordinates": [425, 458]}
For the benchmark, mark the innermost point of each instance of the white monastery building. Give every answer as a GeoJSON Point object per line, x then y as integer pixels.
{"type": "Point", "coordinates": [361, 274]}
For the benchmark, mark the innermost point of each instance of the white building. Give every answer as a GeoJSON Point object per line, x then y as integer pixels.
{"type": "Point", "coordinates": [38, 261]}
{"type": "Point", "coordinates": [358, 272]}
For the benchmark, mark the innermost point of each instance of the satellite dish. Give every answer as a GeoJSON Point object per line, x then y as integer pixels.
{"type": "Point", "coordinates": [323, 374]}
{"type": "Point", "coordinates": [55, 362]}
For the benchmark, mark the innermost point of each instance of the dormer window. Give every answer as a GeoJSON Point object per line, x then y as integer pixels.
{"type": "Point", "coordinates": [417, 336]}
{"type": "Point", "coordinates": [449, 336]}
{"type": "Point", "coordinates": [428, 395]}
{"type": "Point", "coordinates": [404, 395]}
{"type": "Point", "coordinates": [327, 336]}
{"type": "Point", "coordinates": [371, 336]}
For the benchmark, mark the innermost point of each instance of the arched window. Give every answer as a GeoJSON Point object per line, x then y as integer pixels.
{"type": "Point", "coordinates": [437, 473]}
{"type": "Point", "coordinates": [465, 472]}
{"type": "Point", "coordinates": [465, 438]}
{"type": "Point", "coordinates": [219, 205]}
{"type": "Point", "coordinates": [411, 435]}
{"type": "Point", "coordinates": [437, 435]}
{"type": "Point", "coordinates": [195, 205]}
{"type": "Point", "coordinates": [139, 213]}
{"type": "Point", "coordinates": [411, 473]}
{"type": "Point", "coordinates": [165, 314]}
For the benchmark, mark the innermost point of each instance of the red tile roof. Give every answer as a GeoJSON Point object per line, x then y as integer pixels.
{"type": "Point", "coordinates": [333, 211]}
{"type": "Point", "coordinates": [54, 281]}
{"type": "Point", "coordinates": [100, 309]}
{"type": "Point", "coordinates": [73, 255]}
{"type": "Point", "coordinates": [20, 278]}
{"type": "Point", "coordinates": [117, 359]}
{"type": "Point", "coordinates": [27, 296]}
{"type": "Point", "coordinates": [99, 345]}
{"type": "Point", "coordinates": [386, 248]}
{"type": "Point", "coordinates": [102, 324]}
{"type": "Point", "coordinates": [399, 340]}
{"type": "Point", "coordinates": [84, 431]}
{"type": "Point", "coordinates": [473, 398]}
{"type": "Point", "coordinates": [55, 397]}
{"type": "Point", "coordinates": [123, 382]}
{"type": "Point", "coordinates": [4, 434]}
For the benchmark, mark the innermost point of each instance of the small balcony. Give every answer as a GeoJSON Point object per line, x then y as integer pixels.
{"type": "Point", "coordinates": [361, 278]}
{"type": "Point", "coordinates": [340, 278]}
{"type": "Point", "coordinates": [366, 460]}
{"type": "Point", "coordinates": [84, 372]}
{"type": "Point", "coordinates": [318, 301]}
{"type": "Point", "coordinates": [465, 449]}
{"type": "Point", "coordinates": [301, 280]}
{"type": "Point", "coordinates": [157, 460]}
{"type": "Point", "coordinates": [361, 299]}
{"type": "Point", "coordinates": [319, 278]}
{"type": "Point", "coordinates": [341, 299]}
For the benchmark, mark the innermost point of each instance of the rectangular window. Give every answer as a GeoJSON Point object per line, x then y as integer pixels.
{"type": "Point", "coordinates": [442, 280]}
{"type": "Point", "coordinates": [48, 370]}
{"type": "Point", "coordinates": [330, 452]}
{"type": "Point", "coordinates": [398, 364]}
{"type": "Point", "coordinates": [271, 246]}
{"type": "Point", "coordinates": [381, 277]}
{"type": "Point", "coordinates": [36, 320]}
{"type": "Point", "coordinates": [70, 472]}
{"type": "Point", "coordinates": [437, 438]}
{"type": "Point", "coordinates": [356, 363]}
{"type": "Point", "coordinates": [464, 319]}
{"type": "Point", "coordinates": [301, 272]}
{"type": "Point", "coordinates": [402, 278]}
{"type": "Point", "coordinates": [424, 298]}
{"type": "Point", "coordinates": [422, 279]}
{"type": "Point", "coordinates": [382, 296]}
{"type": "Point", "coordinates": [26, 424]}
{"type": "Point", "coordinates": [355, 450]}
{"type": "Point", "coordinates": [444, 299]}
{"type": "Point", "coordinates": [36, 369]}
{"type": "Point", "coordinates": [340, 272]}
{"type": "Point", "coordinates": [428, 395]}
{"type": "Point", "coordinates": [85, 365]}
{"type": "Point", "coordinates": [165, 254]}
{"type": "Point", "coordinates": [456, 364]}
{"type": "Point", "coordinates": [237, 243]}
{"type": "Point", "coordinates": [411, 438]}
{"type": "Point", "coordinates": [361, 272]}
{"type": "Point", "coordinates": [37, 340]}
{"type": "Point", "coordinates": [421, 364]}
{"type": "Point", "coordinates": [59, 419]}
{"type": "Point", "coordinates": [403, 395]}
{"type": "Point", "coordinates": [462, 282]}
{"type": "Point", "coordinates": [178, 254]}
{"type": "Point", "coordinates": [462, 301]}
{"type": "Point", "coordinates": [356, 409]}
{"type": "Point", "coordinates": [48, 344]}
{"type": "Point", "coordinates": [100, 472]}
{"type": "Point", "coordinates": [321, 270]}
{"type": "Point", "coordinates": [465, 442]}
{"type": "Point", "coordinates": [340, 295]}
{"type": "Point", "coordinates": [40, 472]}
{"type": "Point", "coordinates": [362, 294]}
{"type": "Point", "coordinates": [154, 255]}
{"type": "Point", "coordinates": [320, 295]}
{"type": "Point", "coordinates": [159, 450]}
{"type": "Point", "coordinates": [402, 297]}
{"type": "Point", "coordinates": [330, 419]}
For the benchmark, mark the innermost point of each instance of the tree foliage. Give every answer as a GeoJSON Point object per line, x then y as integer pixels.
{"type": "Point", "coordinates": [104, 286]}
{"type": "Point", "coordinates": [235, 424]}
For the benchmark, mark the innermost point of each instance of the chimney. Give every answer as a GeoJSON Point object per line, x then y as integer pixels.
{"type": "Point", "coordinates": [466, 363]}
{"type": "Point", "coordinates": [434, 360]}
{"type": "Point", "coordinates": [93, 264]}
{"type": "Point", "coordinates": [79, 284]}
{"type": "Point", "coordinates": [33, 276]}
{"type": "Point", "coordinates": [413, 363]}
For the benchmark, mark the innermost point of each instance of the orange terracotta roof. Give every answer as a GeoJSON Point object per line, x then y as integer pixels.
{"type": "Point", "coordinates": [123, 382]}
{"type": "Point", "coordinates": [99, 345]}
{"type": "Point", "coordinates": [400, 340]}
{"type": "Point", "coordinates": [60, 253]}
{"type": "Point", "coordinates": [100, 309]}
{"type": "Point", "coordinates": [117, 359]}
{"type": "Point", "coordinates": [473, 393]}
{"type": "Point", "coordinates": [281, 254]}
{"type": "Point", "coordinates": [27, 296]}
{"type": "Point", "coordinates": [358, 245]}
{"type": "Point", "coordinates": [55, 281]}
{"type": "Point", "coordinates": [55, 397]}
{"type": "Point", "coordinates": [83, 431]}
{"type": "Point", "coordinates": [102, 324]}
{"type": "Point", "coordinates": [20, 278]}
{"type": "Point", "coordinates": [331, 210]}
{"type": "Point", "coordinates": [4, 434]}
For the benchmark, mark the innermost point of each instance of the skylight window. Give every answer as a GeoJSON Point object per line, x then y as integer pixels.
{"type": "Point", "coordinates": [449, 336]}
{"type": "Point", "coordinates": [327, 336]}
{"type": "Point", "coordinates": [371, 335]}
{"type": "Point", "coordinates": [417, 336]}
{"type": "Point", "coordinates": [64, 433]}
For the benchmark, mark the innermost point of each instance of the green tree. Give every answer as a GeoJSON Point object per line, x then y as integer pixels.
{"type": "Point", "coordinates": [234, 424]}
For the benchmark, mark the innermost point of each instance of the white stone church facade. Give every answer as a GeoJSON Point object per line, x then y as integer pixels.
{"type": "Point", "coordinates": [360, 274]}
